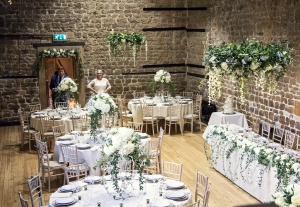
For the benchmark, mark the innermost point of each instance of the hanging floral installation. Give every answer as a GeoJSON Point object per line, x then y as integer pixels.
{"type": "Point", "coordinates": [123, 44]}
{"type": "Point", "coordinates": [246, 62]}
{"type": "Point", "coordinates": [56, 53]}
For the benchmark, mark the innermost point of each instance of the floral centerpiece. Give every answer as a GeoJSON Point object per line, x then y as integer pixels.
{"type": "Point", "coordinates": [66, 89]}
{"type": "Point", "coordinates": [289, 197]}
{"type": "Point", "coordinates": [120, 43]}
{"type": "Point", "coordinates": [162, 79]}
{"type": "Point", "coordinates": [249, 60]}
{"type": "Point", "coordinates": [98, 106]}
{"type": "Point", "coordinates": [123, 144]}
{"type": "Point", "coordinates": [227, 140]}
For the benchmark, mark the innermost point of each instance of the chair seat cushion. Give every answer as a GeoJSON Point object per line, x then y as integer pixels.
{"type": "Point", "coordinates": [172, 118]}
{"type": "Point", "coordinates": [53, 164]}
{"type": "Point", "coordinates": [149, 118]}
{"type": "Point", "coordinates": [190, 116]}
{"type": "Point", "coordinates": [48, 134]}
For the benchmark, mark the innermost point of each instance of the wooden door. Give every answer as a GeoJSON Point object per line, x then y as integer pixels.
{"type": "Point", "coordinates": [51, 66]}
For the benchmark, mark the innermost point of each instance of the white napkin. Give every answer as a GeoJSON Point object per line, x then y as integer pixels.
{"type": "Point", "coordinates": [61, 195]}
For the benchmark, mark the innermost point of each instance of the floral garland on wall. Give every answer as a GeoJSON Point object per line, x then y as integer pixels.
{"type": "Point", "coordinates": [287, 165]}
{"type": "Point", "coordinates": [266, 63]}
{"type": "Point", "coordinates": [56, 53]}
{"type": "Point", "coordinates": [120, 44]}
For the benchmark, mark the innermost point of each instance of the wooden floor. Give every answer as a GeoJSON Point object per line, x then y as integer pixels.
{"type": "Point", "coordinates": [17, 166]}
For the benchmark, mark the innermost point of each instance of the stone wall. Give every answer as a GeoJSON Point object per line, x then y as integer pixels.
{"type": "Point", "coordinates": [27, 22]}
{"type": "Point", "coordinates": [268, 21]}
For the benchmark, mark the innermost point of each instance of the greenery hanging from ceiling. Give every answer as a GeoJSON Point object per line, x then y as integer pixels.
{"type": "Point", "coordinates": [246, 62]}
{"type": "Point", "coordinates": [125, 44]}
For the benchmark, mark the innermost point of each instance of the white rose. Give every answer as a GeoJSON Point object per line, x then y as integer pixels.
{"type": "Point", "coordinates": [98, 105]}
{"type": "Point", "coordinates": [295, 200]}
{"type": "Point", "coordinates": [295, 166]}
{"type": "Point", "coordinates": [156, 79]}
{"type": "Point", "coordinates": [224, 65]}
{"type": "Point", "coordinates": [269, 67]}
{"type": "Point", "coordinates": [105, 108]}
{"type": "Point", "coordinates": [160, 73]}
{"type": "Point", "coordinates": [128, 148]}
{"type": "Point", "coordinates": [212, 59]}
{"type": "Point", "coordinates": [269, 151]}
{"type": "Point", "coordinates": [168, 79]}
{"type": "Point", "coordinates": [297, 189]}
{"type": "Point", "coordinates": [73, 89]}
{"type": "Point", "coordinates": [254, 66]}
{"type": "Point", "coordinates": [54, 50]}
{"type": "Point", "coordinates": [279, 201]}
{"type": "Point", "coordinates": [256, 150]}
{"type": "Point", "coordinates": [284, 156]}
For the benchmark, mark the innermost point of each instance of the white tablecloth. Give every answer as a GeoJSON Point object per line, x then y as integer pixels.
{"type": "Point", "coordinates": [66, 121]}
{"type": "Point", "coordinates": [236, 118]}
{"type": "Point", "coordinates": [90, 156]}
{"type": "Point", "coordinates": [245, 175]}
{"type": "Point", "coordinates": [159, 110]}
{"type": "Point", "coordinates": [97, 193]}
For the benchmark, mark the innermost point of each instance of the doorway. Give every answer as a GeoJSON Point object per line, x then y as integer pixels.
{"type": "Point", "coordinates": [51, 66]}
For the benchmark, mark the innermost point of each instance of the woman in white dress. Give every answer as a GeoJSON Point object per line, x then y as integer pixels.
{"type": "Point", "coordinates": [99, 84]}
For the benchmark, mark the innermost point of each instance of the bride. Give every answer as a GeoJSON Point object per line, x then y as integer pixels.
{"type": "Point", "coordinates": [98, 85]}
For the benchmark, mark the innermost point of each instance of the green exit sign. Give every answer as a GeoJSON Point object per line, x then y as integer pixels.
{"type": "Point", "coordinates": [60, 37]}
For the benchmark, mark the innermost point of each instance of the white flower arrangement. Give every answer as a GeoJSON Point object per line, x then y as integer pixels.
{"type": "Point", "coordinates": [289, 197]}
{"type": "Point", "coordinates": [66, 89]}
{"type": "Point", "coordinates": [67, 84]}
{"type": "Point", "coordinates": [54, 53]}
{"type": "Point", "coordinates": [162, 76]}
{"type": "Point", "coordinates": [123, 144]}
{"type": "Point", "coordinates": [266, 63]}
{"type": "Point", "coordinates": [99, 105]}
{"type": "Point", "coordinates": [287, 165]}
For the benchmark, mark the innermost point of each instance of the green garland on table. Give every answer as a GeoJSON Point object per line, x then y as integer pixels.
{"type": "Point", "coordinates": [287, 165]}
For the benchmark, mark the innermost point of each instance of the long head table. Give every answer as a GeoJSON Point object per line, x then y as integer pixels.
{"type": "Point", "coordinates": [244, 168]}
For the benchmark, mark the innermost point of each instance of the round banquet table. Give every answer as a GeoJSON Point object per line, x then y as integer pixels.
{"type": "Point", "coordinates": [159, 109]}
{"type": "Point", "coordinates": [97, 193]}
{"type": "Point", "coordinates": [61, 120]}
{"type": "Point", "coordinates": [91, 155]}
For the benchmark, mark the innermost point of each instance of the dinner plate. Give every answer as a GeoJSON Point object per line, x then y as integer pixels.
{"type": "Point", "coordinates": [38, 113]}
{"type": "Point", "coordinates": [143, 135]}
{"type": "Point", "coordinates": [65, 137]}
{"type": "Point", "coordinates": [175, 194]}
{"type": "Point", "coordinates": [135, 99]}
{"type": "Point", "coordinates": [65, 201]}
{"type": "Point", "coordinates": [68, 188]}
{"type": "Point", "coordinates": [154, 177]}
{"type": "Point", "coordinates": [92, 179]}
{"type": "Point", "coordinates": [67, 142]}
{"type": "Point", "coordinates": [83, 146]}
{"type": "Point", "coordinates": [187, 99]}
{"type": "Point", "coordinates": [41, 116]}
{"type": "Point", "coordinates": [175, 184]}
{"type": "Point", "coordinates": [75, 132]}
{"type": "Point", "coordinates": [160, 203]}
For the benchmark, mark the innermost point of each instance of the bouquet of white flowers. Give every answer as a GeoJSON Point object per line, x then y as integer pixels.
{"type": "Point", "coordinates": [123, 144]}
{"type": "Point", "coordinates": [99, 105]}
{"type": "Point", "coordinates": [66, 89]}
{"type": "Point", "coordinates": [290, 197]}
{"type": "Point", "coordinates": [67, 85]}
{"type": "Point", "coordinates": [162, 78]}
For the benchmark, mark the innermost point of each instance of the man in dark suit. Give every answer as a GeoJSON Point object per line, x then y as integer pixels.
{"type": "Point", "coordinates": [55, 80]}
